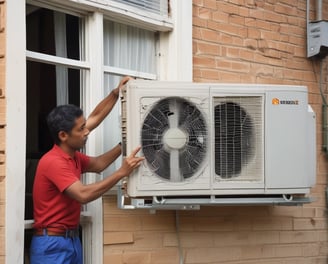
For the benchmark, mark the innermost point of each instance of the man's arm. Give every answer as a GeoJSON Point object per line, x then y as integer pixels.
{"type": "Point", "coordinates": [101, 162]}
{"type": "Point", "coordinates": [85, 193]}
{"type": "Point", "coordinates": [105, 106]}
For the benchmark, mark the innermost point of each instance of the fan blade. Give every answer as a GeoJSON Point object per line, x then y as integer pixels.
{"type": "Point", "coordinates": [173, 115]}
{"type": "Point", "coordinates": [161, 163]}
{"type": "Point", "coordinates": [173, 139]}
{"type": "Point", "coordinates": [175, 175]}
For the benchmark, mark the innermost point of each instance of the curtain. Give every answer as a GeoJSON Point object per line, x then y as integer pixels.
{"type": "Point", "coordinates": [61, 51]}
{"type": "Point", "coordinates": [129, 47]}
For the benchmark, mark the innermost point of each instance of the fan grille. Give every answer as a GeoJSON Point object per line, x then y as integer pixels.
{"type": "Point", "coordinates": [238, 128]}
{"type": "Point", "coordinates": [174, 162]}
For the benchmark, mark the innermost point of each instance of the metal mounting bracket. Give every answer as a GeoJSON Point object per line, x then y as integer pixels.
{"type": "Point", "coordinates": [194, 203]}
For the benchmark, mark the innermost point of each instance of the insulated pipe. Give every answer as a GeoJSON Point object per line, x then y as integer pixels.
{"type": "Point", "coordinates": [307, 24]}
{"type": "Point", "coordinates": [307, 11]}
{"type": "Point", "coordinates": [319, 10]}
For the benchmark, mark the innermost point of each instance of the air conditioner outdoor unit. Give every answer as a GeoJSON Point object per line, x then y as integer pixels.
{"type": "Point", "coordinates": [210, 139]}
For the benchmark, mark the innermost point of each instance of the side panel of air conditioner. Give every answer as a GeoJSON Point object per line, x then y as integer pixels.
{"type": "Point", "coordinates": [312, 150]}
{"type": "Point", "coordinates": [289, 141]}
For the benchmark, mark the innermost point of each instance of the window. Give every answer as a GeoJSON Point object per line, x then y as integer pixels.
{"type": "Point", "coordinates": [53, 77]}
{"type": "Point", "coordinates": [75, 54]}
{"type": "Point", "coordinates": [49, 83]}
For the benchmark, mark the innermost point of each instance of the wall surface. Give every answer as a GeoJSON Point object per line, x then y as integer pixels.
{"type": "Point", "coordinates": [240, 41]}
{"type": "Point", "coordinates": [2, 130]}
{"type": "Point", "coordinates": [243, 41]}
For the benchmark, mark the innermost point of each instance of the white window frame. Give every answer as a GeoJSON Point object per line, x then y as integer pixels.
{"type": "Point", "coordinates": [16, 124]}
{"type": "Point", "coordinates": [175, 63]}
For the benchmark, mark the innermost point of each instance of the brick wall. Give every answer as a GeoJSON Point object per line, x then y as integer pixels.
{"type": "Point", "coordinates": [2, 131]}
{"type": "Point", "coordinates": [243, 41]}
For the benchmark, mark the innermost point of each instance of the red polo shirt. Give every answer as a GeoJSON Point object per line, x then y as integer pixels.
{"type": "Point", "coordinates": [55, 172]}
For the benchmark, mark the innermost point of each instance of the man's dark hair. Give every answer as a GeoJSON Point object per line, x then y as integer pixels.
{"type": "Point", "coordinates": [62, 118]}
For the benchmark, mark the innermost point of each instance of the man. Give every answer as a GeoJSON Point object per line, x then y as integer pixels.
{"type": "Point", "coordinates": [58, 192]}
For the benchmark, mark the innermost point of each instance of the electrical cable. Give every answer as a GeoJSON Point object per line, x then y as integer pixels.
{"type": "Point", "coordinates": [320, 85]}
{"type": "Point", "coordinates": [320, 81]}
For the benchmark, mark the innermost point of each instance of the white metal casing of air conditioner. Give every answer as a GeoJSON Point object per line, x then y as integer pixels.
{"type": "Point", "coordinates": [286, 139]}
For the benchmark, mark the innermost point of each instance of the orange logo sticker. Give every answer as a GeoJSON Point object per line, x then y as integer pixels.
{"type": "Point", "coordinates": [275, 101]}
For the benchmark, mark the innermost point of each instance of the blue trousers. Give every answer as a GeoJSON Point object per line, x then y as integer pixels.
{"type": "Point", "coordinates": [56, 250]}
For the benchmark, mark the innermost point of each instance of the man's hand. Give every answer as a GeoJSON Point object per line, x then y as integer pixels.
{"type": "Point", "coordinates": [131, 162]}
{"type": "Point", "coordinates": [85, 193]}
{"type": "Point", "coordinates": [123, 82]}
{"type": "Point", "coordinates": [105, 106]}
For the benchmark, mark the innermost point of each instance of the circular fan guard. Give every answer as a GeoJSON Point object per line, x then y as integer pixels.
{"type": "Point", "coordinates": [174, 139]}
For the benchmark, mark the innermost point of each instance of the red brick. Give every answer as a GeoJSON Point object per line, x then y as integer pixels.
{"type": "Point", "coordinates": [238, 20]}
{"type": "Point", "coordinates": [211, 4]}
{"type": "Point", "coordinates": [165, 256]}
{"type": "Point", "coordinates": [286, 9]}
{"type": "Point", "coordinates": [207, 49]}
{"type": "Point", "coordinates": [137, 257]}
{"type": "Point", "coordinates": [204, 61]}
{"type": "Point", "coordinates": [209, 35]}
{"type": "Point", "coordinates": [220, 16]}
{"type": "Point", "coordinates": [118, 238]}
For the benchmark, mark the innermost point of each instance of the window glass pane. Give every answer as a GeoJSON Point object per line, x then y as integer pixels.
{"type": "Point", "coordinates": [52, 32]}
{"type": "Point", "coordinates": [159, 7]}
{"type": "Point", "coordinates": [112, 123]}
{"type": "Point", "coordinates": [129, 47]}
{"type": "Point", "coordinates": [43, 94]}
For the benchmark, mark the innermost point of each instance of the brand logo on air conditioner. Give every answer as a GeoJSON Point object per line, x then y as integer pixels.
{"type": "Point", "coordinates": [276, 101]}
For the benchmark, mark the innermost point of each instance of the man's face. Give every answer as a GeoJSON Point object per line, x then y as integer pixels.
{"type": "Point", "coordinates": [78, 136]}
